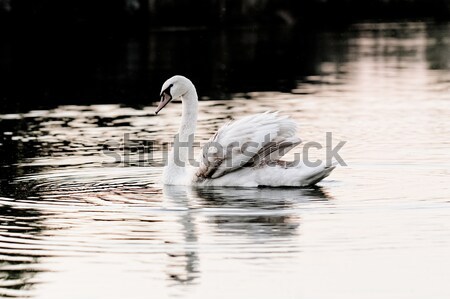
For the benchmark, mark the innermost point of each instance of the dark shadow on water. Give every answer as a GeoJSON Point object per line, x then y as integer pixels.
{"type": "Point", "coordinates": [45, 70]}
{"type": "Point", "coordinates": [261, 198]}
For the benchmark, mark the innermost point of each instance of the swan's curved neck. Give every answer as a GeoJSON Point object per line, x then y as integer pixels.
{"type": "Point", "coordinates": [183, 147]}
{"type": "Point", "coordinates": [188, 115]}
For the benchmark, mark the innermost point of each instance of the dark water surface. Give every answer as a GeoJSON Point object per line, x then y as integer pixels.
{"type": "Point", "coordinates": [75, 223]}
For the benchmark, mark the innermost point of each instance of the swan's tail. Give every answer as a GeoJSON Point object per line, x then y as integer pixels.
{"type": "Point", "coordinates": [280, 173]}
{"type": "Point", "coordinates": [317, 174]}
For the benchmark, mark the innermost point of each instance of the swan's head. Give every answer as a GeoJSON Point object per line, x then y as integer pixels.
{"type": "Point", "coordinates": [174, 88]}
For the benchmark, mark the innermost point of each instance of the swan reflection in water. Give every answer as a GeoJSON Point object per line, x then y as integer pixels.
{"type": "Point", "coordinates": [234, 222]}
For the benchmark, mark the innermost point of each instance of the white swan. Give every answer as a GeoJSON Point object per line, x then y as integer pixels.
{"type": "Point", "coordinates": [241, 153]}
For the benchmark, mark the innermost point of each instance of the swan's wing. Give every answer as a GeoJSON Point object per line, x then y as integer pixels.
{"type": "Point", "coordinates": [247, 142]}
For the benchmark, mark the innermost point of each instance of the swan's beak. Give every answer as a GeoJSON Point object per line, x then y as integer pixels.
{"type": "Point", "coordinates": [165, 99]}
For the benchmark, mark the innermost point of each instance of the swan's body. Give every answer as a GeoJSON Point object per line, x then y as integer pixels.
{"type": "Point", "coordinates": [242, 153]}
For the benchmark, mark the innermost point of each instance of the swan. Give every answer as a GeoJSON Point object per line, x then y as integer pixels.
{"type": "Point", "coordinates": [242, 153]}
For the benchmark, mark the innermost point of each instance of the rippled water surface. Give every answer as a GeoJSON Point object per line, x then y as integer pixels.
{"type": "Point", "coordinates": [78, 223]}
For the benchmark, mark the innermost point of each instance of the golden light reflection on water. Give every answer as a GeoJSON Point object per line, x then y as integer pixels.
{"type": "Point", "coordinates": [376, 228]}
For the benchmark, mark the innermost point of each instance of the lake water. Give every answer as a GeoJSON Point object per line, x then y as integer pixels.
{"type": "Point", "coordinates": [76, 223]}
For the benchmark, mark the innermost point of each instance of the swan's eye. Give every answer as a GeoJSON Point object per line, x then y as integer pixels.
{"type": "Point", "coordinates": [167, 91]}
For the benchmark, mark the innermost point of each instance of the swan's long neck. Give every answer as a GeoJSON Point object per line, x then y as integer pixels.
{"type": "Point", "coordinates": [188, 115]}
{"type": "Point", "coordinates": [188, 124]}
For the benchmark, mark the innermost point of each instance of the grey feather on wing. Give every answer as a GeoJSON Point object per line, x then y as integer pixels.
{"type": "Point", "coordinates": [208, 170]}
{"type": "Point", "coordinates": [266, 153]}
